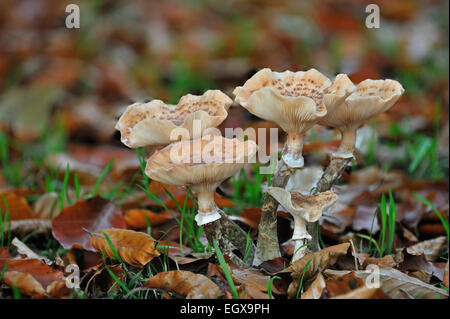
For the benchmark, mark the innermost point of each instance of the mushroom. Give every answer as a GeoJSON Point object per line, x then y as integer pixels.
{"type": "Point", "coordinates": [304, 180]}
{"type": "Point", "coordinates": [152, 123]}
{"type": "Point", "coordinates": [202, 164]}
{"type": "Point", "coordinates": [304, 209]}
{"type": "Point", "coordinates": [370, 98]}
{"type": "Point", "coordinates": [293, 100]}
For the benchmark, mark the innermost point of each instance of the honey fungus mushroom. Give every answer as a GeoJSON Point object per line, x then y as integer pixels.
{"type": "Point", "coordinates": [153, 123]}
{"type": "Point", "coordinates": [201, 164]}
{"type": "Point", "coordinates": [370, 98]}
{"type": "Point", "coordinates": [304, 209]}
{"type": "Point", "coordinates": [293, 100]}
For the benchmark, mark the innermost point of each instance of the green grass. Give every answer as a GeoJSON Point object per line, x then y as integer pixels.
{"type": "Point", "coordinates": [438, 214]}
{"type": "Point", "coordinates": [5, 223]}
{"type": "Point", "coordinates": [300, 285]}
{"type": "Point", "coordinates": [102, 177]}
{"type": "Point", "coordinates": [226, 269]}
{"type": "Point", "coordinates": [269, 286]}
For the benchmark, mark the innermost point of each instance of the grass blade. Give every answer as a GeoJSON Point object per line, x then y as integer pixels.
{"type": "Point", "coordinates": [392, 218]}
{"type": "Point", "coordinates": [101, 177]}
{"type": "Point", "coordinates": [226, 269]}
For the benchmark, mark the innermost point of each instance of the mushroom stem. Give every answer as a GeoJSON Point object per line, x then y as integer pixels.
{"type": "Point", "coordinates": [293, 157]}
{"type": "Point", "coordinates": [267, 245]}
{"type": "Point", "coordinates": [347, 146]}
{"type": "Point", "coordinates": [300, 237]}
{"type": "Point", "coordinates": [299, 249]}
{"type": "Point", "coordinates": [207, 211]}
{"type": "Point", "coordinates": [331, 176]}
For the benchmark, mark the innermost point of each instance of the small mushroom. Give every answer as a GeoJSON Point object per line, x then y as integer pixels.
{"type": "Point", "coordinates": [293, 100]}
{"type": "Point", "coordinates": [370, 98]}
{"type": "Point", "coordinates": [202, 164]}
{"type": "Point", "coordinates": [304, 180]}
{"type": "Point", "coordinates": [146, 124]}
{"type": "Point", "coordinates": [304, 209]}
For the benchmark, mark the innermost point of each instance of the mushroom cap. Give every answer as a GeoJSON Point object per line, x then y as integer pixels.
{"type": "Point", "coordinates": [202, 163]}
{"type": "Point", "coordinates": [309, 208]}
{"type": "Point", "coordinates": [293, 100]}
{"type": "Point", "coordinates": [303, 180]}
{"type": "Point", "coordinates": [144, 124]}
{"type": "Point", "coordinates": [370, 98]}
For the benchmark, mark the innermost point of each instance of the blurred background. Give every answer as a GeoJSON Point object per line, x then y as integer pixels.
{"type": "Point", "coordinates": [63, 89]}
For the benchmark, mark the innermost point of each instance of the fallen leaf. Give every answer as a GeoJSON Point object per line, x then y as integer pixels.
{"type": "Point", "coordinates": [431, 248]}
{"type": "Point", "coordinates": [136, 218]}
{"type": "Point", "coordinates": [364, 293]}
{"type": "Point", "coordinates": [384, 262]}
{"type": "Point", "coordinates": [24, 282]}
{"type": "Point", "coordinates": [47, 206]}
{"type": "Point", "coordinates": [396, 284]}
{"type": "Point", "coordinates": [419, 262]}
{"type": "Point", "coordinates": [315, 289]}
{"type": "Point", "coordinates": [319, 261]}
{"type": "Point", "coordinates": [274, 266]}
{"type": "Point", "coordinates": [4, 253]}
{"type": "Point", "coordinates": [58, 289]}
{"type": "Point", "coordinates": [26, 226]}
{"type": "Point", "coordinates": [92, 214]}
{"type": "Point", "coordinates": [135, 248]}
{"type": "Point", "coordinates": [101, 281]}
{"type": "Point", "coordinates": [185, 283]}
{"type": "Point", "coordinates": [18, 207]}
{"type": "Point", "coordinates": [342, 285]}
{"type": "Point", "coordinates": [39, 271]}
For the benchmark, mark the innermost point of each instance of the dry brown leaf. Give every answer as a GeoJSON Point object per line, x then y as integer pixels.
{"type": "Point", "coordinates": [185, 283]}
{"type": "Point", "coordinates": [431, 248]}
{"type": "Point", "coordinates": [384, 262]}
{"type": "Point", "coordinates": [44, 274]}
{"type": "Point", "coordinates": [25, 282]}
{"type": "Point", "coordinates": [364, 293]}
{"type": "Point", "coordinates": [93, 214]}
{"type": "Point", "coordinates": [4, 253]}
{"type": "Point", "coordinates": [18, 207]}
{"type": "Point", "coordinates": [396, 284]}
{"type": "Point", "coordinates": [315, 289]}
{"type": "Point", "coordinates": [319, 261]}
{"type": "Point", "coordinates": [58, 289]}
{"type": "Point", "coordinates": [26, 226]}
{"type": "Point", "coordinates": [101, 281]}
{"type": "Point", "coordinates": [47, 206]}
{"type": "Point", "coordinates": [135, 248]}
{"type": "Point", "coordinates": [342, 285]}
{"type": "Point", "coordinates": [136, 218]}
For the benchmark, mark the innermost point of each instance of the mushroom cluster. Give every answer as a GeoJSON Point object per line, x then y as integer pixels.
{"type": "Point", "coordinates": [296, 101]}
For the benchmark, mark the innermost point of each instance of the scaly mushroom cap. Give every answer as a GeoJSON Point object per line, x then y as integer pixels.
{"type": "Point", "coordinates": [202, 163]}
{"type": "Point", "coordinates": [145, 124]}
{"type": "Point", "coordinates": [293, 100]}
{"type": "Point", "coordinates": [309, 208]}
{"type": "Point", "coordinates": [370, 98]}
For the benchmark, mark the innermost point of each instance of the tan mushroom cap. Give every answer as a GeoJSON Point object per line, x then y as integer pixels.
{"type": "Point", "coordinates": [370, 98]}
{"type": "Point", "coordinates": [309, 208]}
{"type": "Point", "coordinates": [202, 163]}
{"type": "Point", "coordinates": [293, 100]}
{"type": "Point", "coordinates": [145, 124]}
